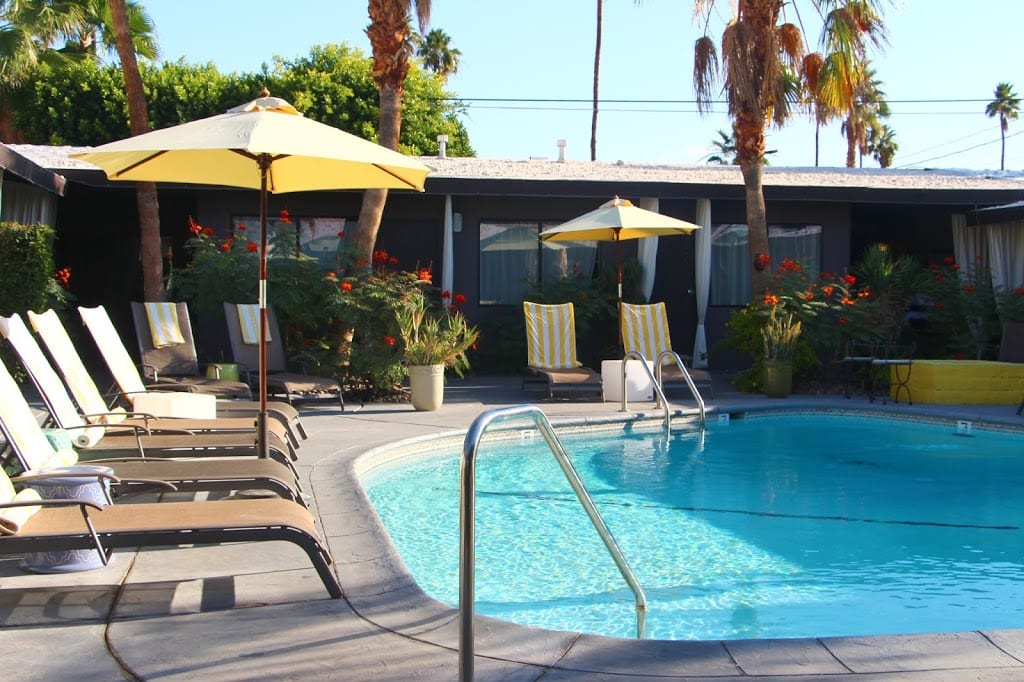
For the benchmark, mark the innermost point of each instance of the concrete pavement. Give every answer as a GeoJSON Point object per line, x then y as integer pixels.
{"type": "Point", "coordinates": [258, 610]}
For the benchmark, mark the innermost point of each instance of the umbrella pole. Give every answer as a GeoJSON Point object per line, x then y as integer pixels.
{"type": "Point", "coordinates": [262, 434]}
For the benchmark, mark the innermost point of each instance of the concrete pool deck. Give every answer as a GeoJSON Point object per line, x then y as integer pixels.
{"type": "Point", "coordinates": [259, 611]}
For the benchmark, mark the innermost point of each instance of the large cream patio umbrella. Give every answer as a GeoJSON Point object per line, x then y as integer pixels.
{"type": "Point", "coordinates": [615, 221]}
{"type": "Point", "coordinates": [265, 145]}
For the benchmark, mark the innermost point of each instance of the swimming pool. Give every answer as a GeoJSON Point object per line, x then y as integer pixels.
{"type": "Point", "coordinates": [768, 526]}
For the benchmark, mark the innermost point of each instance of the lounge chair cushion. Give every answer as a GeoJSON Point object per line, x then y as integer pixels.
{"type": "Point", "coordinates": [13, 519]}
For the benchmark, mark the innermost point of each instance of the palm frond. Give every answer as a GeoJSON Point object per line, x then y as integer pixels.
{"type": "Point", "coordinates": [705, 71]}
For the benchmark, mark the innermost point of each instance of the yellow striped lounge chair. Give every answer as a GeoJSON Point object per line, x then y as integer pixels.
{"type": "Point", "coordinates": [551, 351]}
{"type": "Point", "coordinates": [645, 330]}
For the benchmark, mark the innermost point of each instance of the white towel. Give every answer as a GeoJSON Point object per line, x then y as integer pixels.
{"type": "Point", "coordinates": [12, 520]}
{"type": "Point", "coordinates": [163, 324]}
{"type": "Point", "coordinates": [249, 320]}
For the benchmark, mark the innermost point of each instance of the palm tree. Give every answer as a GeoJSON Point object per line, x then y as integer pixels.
{"type": "Point", "coordinates": [138, 120]}
{"type": "Point", "coordinates": [28, 31]}
{"type": "Point", "coordinates": [726, 155]}
{"type": "Point", "coordinates": [437, 53]}
{"type": "Point", "coordinates": [391, 44]}
{"type": "Point", "coordinates": [760, 54]}
{"type": "Point", "coordinates": [1006, 106]}
{"type": "Point", "coordinates": [866, 109]}
{"type": "Point", "coordinates": [882, 144]}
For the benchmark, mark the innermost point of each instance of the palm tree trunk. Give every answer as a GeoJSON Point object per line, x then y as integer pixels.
{"type": "Point", "coordinates": [748, 130]}
{"type": "Point", "coordinates": [372, 210]}
{"type": "Point", "coordinates": [597, 72]}
{"type": "Point", "coordinates": [145, 192]}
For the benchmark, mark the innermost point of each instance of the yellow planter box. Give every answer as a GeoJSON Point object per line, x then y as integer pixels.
{"type": "Point", "coordinates": [964, 382]}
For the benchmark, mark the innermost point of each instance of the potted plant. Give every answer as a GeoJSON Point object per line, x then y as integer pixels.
{"type": "Point", "coordinates": [780, 335]}
{"type": "Point", "coordinates": [433, 340]}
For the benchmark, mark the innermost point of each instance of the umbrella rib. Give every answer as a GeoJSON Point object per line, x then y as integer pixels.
{"type": "Point", "coordinates": [141, 162]}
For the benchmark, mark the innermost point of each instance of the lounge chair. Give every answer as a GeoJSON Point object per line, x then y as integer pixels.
{"type": "Point", "coordinates": [126, 374]}
{"type": "Point", "coordinates": [168, 351]}
{"type": "Point", "coordinates": [234, 442]}
{"type": "Point", "coordinates": [1011, 348]}
{"type": "Point", "coordinates": [551, 351]}
{"type": "Point", "coordinates": [29, 524]}
{"type": "Point", "coordinates": [93, 409]}
{"type": "Point", "coordinates": [36, 453]}
{"type": "Point", "coordinates": [243, 330]}
{"type": "Point", "coordinates": [644, 330]}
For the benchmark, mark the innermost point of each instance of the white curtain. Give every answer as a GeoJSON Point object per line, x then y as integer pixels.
{"type": "Point", "coordinates": [1006, 254]}
{"type": "Point", "coordinates": [647, 251]}
{"type": "Point", "coordinates": [702, 273]}
{"type": "Point", "coordinates": [447, 258]}
{"type": "Point", "coordinates": [969, 243]}
{"type": "Point", "coordinates": [27, 204]}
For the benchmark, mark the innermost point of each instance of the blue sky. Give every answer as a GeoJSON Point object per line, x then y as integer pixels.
{"type": "Point", "coordinates": [544, 50]}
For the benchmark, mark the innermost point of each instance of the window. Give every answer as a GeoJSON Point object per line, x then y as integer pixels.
{"type": "Point", "coordinates": [512, 256]}
{"type": "Point", "coordinates": [730, 258]}
{"type": "Point", "coordinates": [320, 238]}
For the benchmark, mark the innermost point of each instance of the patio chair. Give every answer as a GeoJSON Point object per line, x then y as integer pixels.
{"type": "Point", "coordinates": [1011, 348]}
{"type": "Point", "coordinates": [243, 331]}
{"type": "Point", "coordinates": [30, 524]}
{"type": "Point", "coordinates": [168, 351]}
{"type": "Point", "coordinates": [36, 452]}
{"type": "Point", "coordinates": [95, 408]}
{"type": "Point", "coordinates": [551, 351]}
{"type": "Point", "coordinates": [644, 330]}
{"type": "Point", "coordinates": [130, 382]}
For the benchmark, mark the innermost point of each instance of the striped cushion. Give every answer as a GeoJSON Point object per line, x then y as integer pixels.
{"type": "Point", "coordinates": [550, 335]}
{"type": "Point", "coordinates": [249, 319]}
{"type": "Point", "coordinates": [644, 329]}
{"type": "Point", "coordinates": [163, 324]}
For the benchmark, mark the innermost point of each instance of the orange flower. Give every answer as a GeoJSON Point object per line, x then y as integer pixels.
{"type": "Point", "coordinates": [809, 296]}
{"type": "Point", "coordinates": [346, 287]}
{"type": "Point", "coordinates": [827, 290]}
{"type": "Point", "coordinates": [771, 299]}
{"type": "Point", "coordinates": [286, 217]}
{"type": "Point", "coordinates": [425, 276]}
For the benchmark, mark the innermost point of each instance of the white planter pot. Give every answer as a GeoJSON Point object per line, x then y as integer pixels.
{"type": "Point", "coordinates": [426, 384]}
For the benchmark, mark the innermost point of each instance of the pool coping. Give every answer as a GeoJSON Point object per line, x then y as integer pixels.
{"type": "Point", "coordinates": [380, 581]}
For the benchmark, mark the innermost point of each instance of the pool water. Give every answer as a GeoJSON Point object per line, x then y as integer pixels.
{"type": "Point", "coordinates": [802, 525]}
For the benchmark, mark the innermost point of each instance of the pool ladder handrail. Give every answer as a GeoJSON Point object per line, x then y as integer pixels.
{"type": "Point", "coordinates": [467, 530]}
{"type": "Point", "coordinates": [659, 392]}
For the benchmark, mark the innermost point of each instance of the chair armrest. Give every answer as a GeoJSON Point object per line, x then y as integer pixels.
{"type": "Point", "coordinates": [69, 472]}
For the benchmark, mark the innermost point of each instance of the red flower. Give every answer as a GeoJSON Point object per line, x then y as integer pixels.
{"type": "Point", "coordinates": [208, 232]}
{"type": "Point", "coordinates": [446, 294]}
{"type": "Point", "coordinates": [389, 340]}
{"type": "Point", "coordinates": [346, 287]}
{"type": "Point", "coordinates": [956, 266]}
{"type": "Point", "coordinates": [425, 276]}
{"type": "Point", "coordinates": [771, 299]}
{"type": "Point", "coordinates": [459, 299]}
{"type": "Point", "coordinates": [392, 261]}
{"type": "Point", "coordinates": [225, 246]}
{"type": "Point", "coordinates": [828, 290]}
{"type": "Point", "coordinates": [286, 217]}
{"type": "Point", "coordinates": [969, 289]}
{"type": "Point", "coordinates": [948, 260]}
{"type": "Point", "coordinates": [194, 227]}
{"type": "Point", "coordinates": [240, 228]}
{"type": "Point", "coordinates": [252, 247]}
{"type": "Point", "coordinates": [850, 280]}
{"type": "Point", "coordinates": [809, 296]}
{"type": "Point", "coordinates": [341, 234]}
{"type": "Point", "coordinates": [1019, 291]}
{"type": "Point", "coordinates": [790, 265]}
{"type": "Point", "coordinates": [762, 260]}
{"type": "Point", "coordinates": [380, 256]}
{"type": "Point", "coordinates": [63, 277]}
{"type": "Point", "coordinates": [938, 278]}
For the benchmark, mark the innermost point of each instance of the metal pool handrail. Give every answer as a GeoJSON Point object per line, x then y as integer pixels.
{"type": "Point", "coordinates": [686, 375]}
{"type": "Point", "coordinates": [662, 400]}
{"type": "Point", "coordinates": [467, 531]}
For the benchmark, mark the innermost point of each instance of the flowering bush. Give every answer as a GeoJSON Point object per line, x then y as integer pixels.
{"type": "Point", "coordinates": [333, 325]}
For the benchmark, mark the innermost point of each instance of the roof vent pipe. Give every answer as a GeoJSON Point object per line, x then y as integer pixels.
{"type": "Point", "coordinates": [442, 146]}
{"type": "Point", "coordinates": [561, 151]}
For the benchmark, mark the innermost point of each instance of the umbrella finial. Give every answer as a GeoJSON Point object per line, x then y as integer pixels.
{"type": "Point", "coordinates": [264, 92]}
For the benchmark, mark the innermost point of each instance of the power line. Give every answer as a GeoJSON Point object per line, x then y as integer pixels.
{"type": "Point", "coordinates": [565, 100]}
{"type": "Point", "coordinates": [961, 151]}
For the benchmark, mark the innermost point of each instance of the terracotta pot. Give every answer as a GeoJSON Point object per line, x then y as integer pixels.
{"type": "Point", "coordinates": [778, 378]}
{"type": "Point", "coordinates": [426, 384]}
